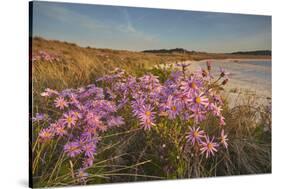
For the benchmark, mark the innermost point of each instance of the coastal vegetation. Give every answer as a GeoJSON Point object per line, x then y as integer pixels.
{"type": "Point", "coordinates": [103, 116]}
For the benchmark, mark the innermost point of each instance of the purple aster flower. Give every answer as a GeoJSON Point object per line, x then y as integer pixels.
{"type": "Point", "coordinates": [224, 139]}
{"type": "Point", "coordinates": [137, 104]}
{"type": "Point", "coordinates": [76, 114]}
{"type": "Point", "coordinates": [172, 107]}
{"type": "Point", "coordinates": [102, 127]}
{"type": "Point", "coordinates": [175, 77]}
{"type": "Point", "coordinates": [216, 110]}
{"type": "Point", "coordinates": [195, 135]}
{"type": "Point", "coordinates": [93, 120]}
{"type": "Point", "coordinates": [199, 101]}
{"type": "Point", "coordinates": [146, 116]}
{"type": "Point", "coordinates": [40, 117]}
{"type": "Point", "coordinates": [131, 82]}
{"type": "Point", "coordinates": [149, 79]}
{"type": "Point", "coordinates": [198, 115]}
{"type": "Point", "coordinates": [115, 121]}
{"type": "Point", "coordinates": [58, 128]}
{"type": "Point", "coordinates": [93, 91]}
{"type": "Point", "coordinates": [67, 92]}
{"type": "Point", "coordinates": [61, 103]}
{"type": "Point", "coordinates": [121, 89]}
{"type": "Point", "coordinates": [72, 149]}
{"type": "Point", "coordinates": [149, 82]}
{"type": "Point", "coordinates": [69, 119]}
{"type": "Point", "coordinates": [46, 134]}
{"type": "Point", "coordinates": [81, 90]}
{"type": "Point", "coordinates": [209, 147]}
{"type": "Point", "coordinates": [98, 92]}
{"type": "Point", "coordinates": [48, 57]}
{"type": "Point", "coordinates": [89, 149]}
{"type": "Point", "coordinates": [191, 85]}
{"type": "Point", "coordinates": [184, 98]}
{"type": "Point", "coordinates": [73, 99]}
{"type": "Point", "coordinates": [81, 107]}
{"type": "Point", "coordinates": [222, 122]}
{"type": "Point", "coordinates": [122, 103]}
{"type": "Point", "coordinates": [82, 175]}
{"type": "Point", "coordinates": [49, 92]}
{"type": "Point", "coordinates": [103, 107]}
{"type": "Point", "coordinates": [94, 123]}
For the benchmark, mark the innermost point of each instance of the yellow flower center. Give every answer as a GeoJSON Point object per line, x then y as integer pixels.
{"type": "Point", "coordinates": [147, 113]}
{"type": "Point", "coordinates": [198, 99]}
{"type": "Point", "coordinates": [174, 108]}
{"type": "Point", "coordinates": [60, 130]}
{"type": "Point", "coordinates": [210, 146]}
{"type": "Point", "coordinates": [193, 85]}
{"type": "Point", "coordinates": [195, 134]}
{"type": "Point", "coordinates": [81, 174]}
{"type": "Point", "coordinates": [61, 103]}
{"type": "Point", "coordinates": [69, 119]}
{"type": "Point", "coordinates": [73, 148]}
{"type": "Point", "coordinates": [47, 134]}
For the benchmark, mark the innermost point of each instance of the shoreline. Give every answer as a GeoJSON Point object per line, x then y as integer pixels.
{"type": "Point", "coordinates": [246, 80]}
{"type": "Point", "coordinates": [233, 60]}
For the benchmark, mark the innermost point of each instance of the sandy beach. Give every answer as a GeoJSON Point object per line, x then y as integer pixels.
{"type": "Point", "coordinates": [248, 78]}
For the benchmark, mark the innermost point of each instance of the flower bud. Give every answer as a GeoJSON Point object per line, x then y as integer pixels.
{"type": "Point", "coordinates": [224, 81]}
{"type": "Point", "coordinates": [204, 73]}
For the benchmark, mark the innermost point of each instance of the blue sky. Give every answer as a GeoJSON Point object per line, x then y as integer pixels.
{"type": "Point", "coordinates": [143, 28]}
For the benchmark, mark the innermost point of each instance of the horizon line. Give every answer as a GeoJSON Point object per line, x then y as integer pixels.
{"type": "Point", "coordinates": [121, 49]}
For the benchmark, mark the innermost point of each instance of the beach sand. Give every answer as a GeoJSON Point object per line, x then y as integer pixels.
{"type": "Point", "coordinates": [246, 81]}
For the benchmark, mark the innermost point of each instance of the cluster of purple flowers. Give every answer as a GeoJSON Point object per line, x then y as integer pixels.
{"type": "Point", "coordinates": [45, 56]}
{"type": "Point", "coordinates": [85, 114]}
{"type": "Point", "coordinates": [198, 137]}
{"type": "Point", "coordinates": [183, 96]}
{"type": "Point", "coordinates": [89, 111]}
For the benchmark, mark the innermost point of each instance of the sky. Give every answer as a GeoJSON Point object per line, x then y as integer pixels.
{"type": "Point", "coordinates": [140, 29]}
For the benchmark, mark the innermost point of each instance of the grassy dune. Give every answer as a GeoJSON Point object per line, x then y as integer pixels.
{"type": "Point", "coordinates": [80, 66]}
